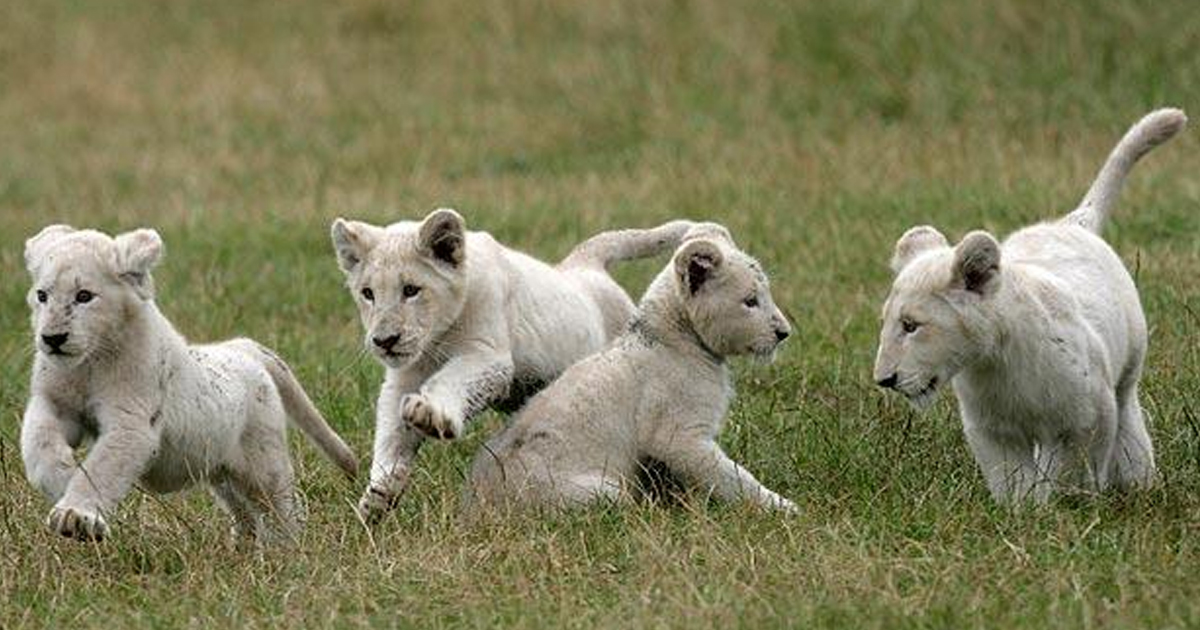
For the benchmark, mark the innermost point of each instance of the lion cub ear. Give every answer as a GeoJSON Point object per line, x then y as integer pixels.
{"type": "Point", "coordinates": [37, 245]}
{"type": "Point", "coordinates": [352, 240]}
{"type": "Point", "coordinates": [137, 253]}
{"type": "Point", "coordinates": [443, 237]}
{"type": "Point", "coordinates": [709, 230]}
{"type": "Point", "coordinates": [916, 241]}
{"type": "Point", "coordinates": [977, 263]}
{"type": "Point", "coordinates": [696, 263]}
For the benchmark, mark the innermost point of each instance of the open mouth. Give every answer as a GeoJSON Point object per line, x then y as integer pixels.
{"type": "Point", "coordinates": [394, 358]}
{"type": "Point", "coordinates": [924, 397]}
{"type": "Point", "coordinates": [765, 354]}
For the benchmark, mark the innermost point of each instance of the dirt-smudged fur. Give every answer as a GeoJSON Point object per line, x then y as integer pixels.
{"type": "Point", "coordinates": [111, 369]}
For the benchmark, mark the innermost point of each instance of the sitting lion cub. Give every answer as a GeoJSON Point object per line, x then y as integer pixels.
{"type": "Point", "coordinates": [659, 394]}
{"type": "Point", "coordinates": [1043, 338]}
{"type": "Point", "coordinates": [110, 368]}
{"type": "Point", "coordinates": [462, 322]}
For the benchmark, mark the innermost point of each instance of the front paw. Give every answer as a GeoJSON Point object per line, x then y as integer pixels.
{"type": "Point", "coordinates": [423, 415]}
{"type": "Point", "coordinates": [373, 505]}
{"type": "Point", "coordinates": [778, 503]}
{"type": "Point", "coordinates": [77, 523]}
{"type": "Point", "coordinates": [381, 496]}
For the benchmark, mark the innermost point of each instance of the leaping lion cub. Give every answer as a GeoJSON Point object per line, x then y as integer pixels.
{"type": "Point", "coordinates": [462, 322]}
{"type": "Point", "coordinates": [1043, 338]}
{"type": "Point", "coordinates": [658, 394]}
{"type": "Point", "coordinates": [112, 369]}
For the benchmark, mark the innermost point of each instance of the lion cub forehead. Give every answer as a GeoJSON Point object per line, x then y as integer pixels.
{"type": "Point", "coordinates": [748, 265]}
{"type": "Point", "coordinates": [397, 258]}
{"type": "Point", "coordinates": [403, 228]}
{"type": "Point", "coordinates": [80, 252]}
{"type": "Point", "coordinates": [397, 245]}
{"type": "Point", "coordinates": [929, 272]}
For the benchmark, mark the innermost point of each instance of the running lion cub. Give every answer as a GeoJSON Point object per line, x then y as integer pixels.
{"type": "Point", "coordinates": [659, 394]}
{"type": "Point", "coordinates": [111, 369]}
{"type": "Point", "coordinates": [463, 323]}
{"type": "Point", "coordinates": [1043, 338]}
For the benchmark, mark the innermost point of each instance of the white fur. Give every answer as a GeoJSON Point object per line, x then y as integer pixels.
{"type": "Point", "coordinates": [462, 323]}
{"type": "Point", "coordinates": [162, 414]}
{"type": "Point", "coordinates": [658, 394]}
{"type": "Point", "coordinates": [1043, 338]}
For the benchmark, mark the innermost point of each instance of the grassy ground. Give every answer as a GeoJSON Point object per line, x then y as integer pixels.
{"type": "Point", "coordinates": [817, 131]}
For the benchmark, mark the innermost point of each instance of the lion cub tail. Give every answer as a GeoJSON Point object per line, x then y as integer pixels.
{"type": "Point", "coordinates": [607, 248]}
{"type": "Point", "coordinates": [1152, 130]}
{"type": "Point", "coordinates": [304, 413]}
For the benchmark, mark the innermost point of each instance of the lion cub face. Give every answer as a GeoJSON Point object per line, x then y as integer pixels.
{"type": "Point", "coordinates": [728, 299]}
{"type": "Point", "coordinates": [939, 302]}
{"type": "Point", "coordinates": [408, 281]}
{"type": "Point", "coordinates": [86, 286]}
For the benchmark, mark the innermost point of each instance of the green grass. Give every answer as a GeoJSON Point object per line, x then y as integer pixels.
{"type": "Point", "coordinates": [817, 131]}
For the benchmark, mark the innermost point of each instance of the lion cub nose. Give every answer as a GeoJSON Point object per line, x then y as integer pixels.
{"type": "Point", "coordinates": [386, 343]}
{"type": "Point", "coordinates": [55, 341]}
{"type": "Point", "coordinates": [889, 382]}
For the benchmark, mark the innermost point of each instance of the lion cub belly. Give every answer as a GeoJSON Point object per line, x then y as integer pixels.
{"type": "Point", "coordinates": [204, 418]}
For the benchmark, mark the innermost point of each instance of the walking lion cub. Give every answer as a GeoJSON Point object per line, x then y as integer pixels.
{"type": "Point", "coordinates": [111, 369]}
{"type": "Point", "coordinates": [1042, 336]}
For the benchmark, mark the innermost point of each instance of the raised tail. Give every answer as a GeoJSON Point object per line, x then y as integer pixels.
{"type": "Point", "coordinates": [606, 248]}
{"type": "Point", "coordinates": [304, 413]}
{"type": "Point", "coordinates": [1152, 130]}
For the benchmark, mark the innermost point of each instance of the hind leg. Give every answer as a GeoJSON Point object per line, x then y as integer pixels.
{"type": "Point", "coordinates": [238, 506]}
{"type": "Point", "coordinates": [1079, 459]}
{"type": "Point", "coordinates": [1133, 453]}
{"type": "Point", "coordinates": [504, 480]}
{"type": "Point", "coordinates": [268, 494]}
{"type": "Point", "coordinates": [266, 481]}
{"type": "Point", "coordinates": [582, 489]}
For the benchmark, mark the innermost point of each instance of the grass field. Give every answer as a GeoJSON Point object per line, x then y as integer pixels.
{"type": "Point", "coordinates": [817, 131]}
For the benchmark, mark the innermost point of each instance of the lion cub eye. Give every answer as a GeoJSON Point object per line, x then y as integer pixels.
{"type": "Point", "coordinates": [909, 326]}
{"type": "Point", "coordinates": [368, 294]}
{"type": "Point", "coordinates": [751, 302]}
{"type": "Point", "coordinates": [410, 290]}
{"type": "Point", "coordinates": [84, 296]}
{"type": "Point", "coordinates": [42, 297]}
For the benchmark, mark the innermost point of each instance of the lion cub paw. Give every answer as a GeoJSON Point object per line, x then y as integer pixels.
{"type": "Point", "coordinates": [423, 415]}
{"type": "Point", "coordinates": [77, 523]}
{"type": "Point", "coordinates": [787, 507]}
{"type": "Point", "coordinates": [380, 497]}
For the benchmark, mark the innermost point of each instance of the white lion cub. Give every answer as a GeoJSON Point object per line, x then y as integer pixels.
{"type": "Point", "coordinates": [462, 322]}
{"type": "Point", "coordinates": [1043, 338]}
{"type": "Point", "coordinates": [163, 414]}
{"type": "Point", "coordinates": [659, 394]}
